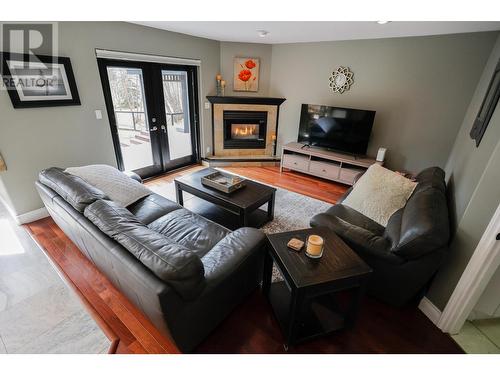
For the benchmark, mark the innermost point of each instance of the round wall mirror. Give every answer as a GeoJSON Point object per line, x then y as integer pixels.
{"type": "Point", "coordinates": [341, 80]}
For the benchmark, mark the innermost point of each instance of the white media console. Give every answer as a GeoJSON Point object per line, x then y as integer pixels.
{"type": "Point", "coordinates": [331, 165]}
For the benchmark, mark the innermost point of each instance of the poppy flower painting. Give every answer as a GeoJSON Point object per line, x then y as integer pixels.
{"type": "Point", "coordinates": [246, 74]}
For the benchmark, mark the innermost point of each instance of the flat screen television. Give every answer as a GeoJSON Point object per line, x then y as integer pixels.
{"type": "Point", "coordinates": [342, 129]}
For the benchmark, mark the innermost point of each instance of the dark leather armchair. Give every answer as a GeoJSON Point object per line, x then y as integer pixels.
{"type": "Point", "coordinates": [407, 253]}
{"type": "Point", "coordinates": [184, 272]}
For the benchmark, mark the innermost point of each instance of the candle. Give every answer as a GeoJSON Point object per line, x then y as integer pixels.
{"type": "Point", "coordinates": [314, 246]}
{"type": "Point", "coordinates": [273, 137]}
{"type": "Point", "coordinates": [223, 83]}
{"type": "Point", "coordinates": [218, 77]}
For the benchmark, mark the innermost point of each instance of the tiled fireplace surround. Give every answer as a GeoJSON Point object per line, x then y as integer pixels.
{"type": "Point", "coordinates": [240, 103]}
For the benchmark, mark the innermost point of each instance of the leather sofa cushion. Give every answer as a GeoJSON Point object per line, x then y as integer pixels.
{"type": "Point", "coordinates": [152, 207]}
{"type": "Point", "coordinates": [356, 218]}
{"type": "Point", "coordinates": [231, 252]}
{"type": "Point", "coordinates": [190, 230]}
{"type": "Point", "coordinates": [175, 264]}
{"type": "Point", "coordinates": [73, 189]}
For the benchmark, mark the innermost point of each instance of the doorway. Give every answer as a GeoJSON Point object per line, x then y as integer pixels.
{"type": "Point", "coordinates": [153, 114]}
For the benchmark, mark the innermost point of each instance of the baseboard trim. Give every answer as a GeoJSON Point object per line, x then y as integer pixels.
{"type": "Point", "coordinates": [27, 217]}
{"type": "Point", "coordinates": [430, 310]}
{"type": "Point", "coordinates": [31, 216]}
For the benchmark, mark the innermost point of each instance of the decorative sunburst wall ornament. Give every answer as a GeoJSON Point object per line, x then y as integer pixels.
{"type": "Point", "coordinates": [341, 80]}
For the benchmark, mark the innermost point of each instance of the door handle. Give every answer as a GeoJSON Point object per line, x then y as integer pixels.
{"type": "Point", "coordinates": [153, 129]}
{"type": "Point", "coordinates": [164, 128]}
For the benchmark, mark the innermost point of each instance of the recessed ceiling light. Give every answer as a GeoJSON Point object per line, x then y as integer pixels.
{"type": "Point", "coordinates": [263, 33]}
{"type": "Point", "coordinates": [382, 22]}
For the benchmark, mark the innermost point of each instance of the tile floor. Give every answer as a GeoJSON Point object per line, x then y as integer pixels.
{"type": "Point", "coordinates": [39, 313]}
{"type": "Point", "coordinates": [480, 337]}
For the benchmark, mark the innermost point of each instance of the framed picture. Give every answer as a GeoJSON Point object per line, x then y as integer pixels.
{"type": "Point", "coordinates": [487, 107]}
{"type": "Point", "coordinates": [39, 81]}
{"type": "Point", "coordinates": [246, 74]}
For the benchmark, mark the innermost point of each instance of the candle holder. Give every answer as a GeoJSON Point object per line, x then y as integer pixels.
{"type": "Point", "coordinates": [273, 141]}
{"type": "Point", "coordinates": [218, 86]}
{"type": "Point", "coordinates": [222, 87]}
{"type": "Point", "coordinates": [315, 246]}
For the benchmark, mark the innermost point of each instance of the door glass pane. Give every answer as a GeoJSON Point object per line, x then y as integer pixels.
{"type": "Point", "coordinates": [127, 92]}
{"type": "Point", "coordinates": [177, 113]}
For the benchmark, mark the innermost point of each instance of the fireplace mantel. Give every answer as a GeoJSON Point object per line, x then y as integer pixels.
{"type": "Point", "coordinates": [245, 100]}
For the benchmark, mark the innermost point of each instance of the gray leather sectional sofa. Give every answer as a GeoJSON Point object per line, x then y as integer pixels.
{"type": "Point", "coordinates": [182, 271]}
{"type": "Point", "coordinates": [407, 253]}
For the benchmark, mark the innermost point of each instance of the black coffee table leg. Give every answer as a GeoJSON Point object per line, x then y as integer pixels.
{"type": "Point", "coordinates": [268, 273]}
{"type": "Point", "coordinates": [243, 218]}
{"type": "Point", "coordinates": [270, 208]}
{"type": "Point", "coordinates": [294, 318]}
{"type": "Point", "coordinates": [178, 194]}
{"type": "Point", "coordinates": [355, 304]}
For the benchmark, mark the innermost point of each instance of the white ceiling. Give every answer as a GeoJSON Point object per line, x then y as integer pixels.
{"type": "Point", "coordinates": [294, 32]}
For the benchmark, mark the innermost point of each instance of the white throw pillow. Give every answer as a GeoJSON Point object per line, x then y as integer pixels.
{"type": "Point", "coordinates": [379, 193]}
{"type": "Point", "coordinates": [119, 187]}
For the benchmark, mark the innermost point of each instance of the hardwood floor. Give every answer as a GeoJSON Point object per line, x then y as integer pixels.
{"type": "Point", "coordinates": [300, 183]}
{"type": "Point", "coordinates": [251, 328]}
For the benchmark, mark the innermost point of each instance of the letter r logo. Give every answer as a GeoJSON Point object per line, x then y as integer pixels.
{"type": "Point", "coordinates": [36, 38]}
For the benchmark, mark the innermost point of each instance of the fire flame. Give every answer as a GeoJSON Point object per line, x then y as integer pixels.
{"type": "Point", "coordinates": [245, 130]}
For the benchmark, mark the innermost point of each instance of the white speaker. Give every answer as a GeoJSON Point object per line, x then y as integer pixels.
{"type": "Point", "coordinates": [381, 154]}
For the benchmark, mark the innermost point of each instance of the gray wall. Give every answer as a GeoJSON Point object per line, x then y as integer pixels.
{"type": "Point", "coordinates": [33, 139]}
{"type": "Point", "coordinates": [229, 50]}
{"type": "Point", "coordinates": [474, 178]}
{"type": "Point", "coordinates": [420, 88]}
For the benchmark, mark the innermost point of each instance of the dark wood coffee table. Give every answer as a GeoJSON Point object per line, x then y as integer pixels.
{"type": "Point", "coordinates": [240, 208]}
{"type": "Point", "coordinates": [307, 303]}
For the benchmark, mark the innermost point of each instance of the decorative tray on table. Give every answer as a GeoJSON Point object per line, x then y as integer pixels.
{"type": "Point", "coordinates": [224, 182]}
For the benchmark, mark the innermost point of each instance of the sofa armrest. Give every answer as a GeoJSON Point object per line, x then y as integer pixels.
{"type": "Point", "coordinates": [360, 239]}
{"type": "Point", "coordinates": [230, 252]}
{"type": "Point", "coordinates": [134, 176]}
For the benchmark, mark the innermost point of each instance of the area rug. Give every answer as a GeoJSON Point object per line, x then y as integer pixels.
{"type": "Point", "coordinates": [293, 211]}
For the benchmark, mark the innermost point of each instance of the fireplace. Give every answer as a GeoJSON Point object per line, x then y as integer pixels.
{"type": "Point", "coordinates": [245, 129]}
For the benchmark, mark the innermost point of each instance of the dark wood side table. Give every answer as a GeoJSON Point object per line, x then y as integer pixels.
{"type": "Point", "coordinates": [243, 203]}
{"type": "Point", "coordinates": [305, 303]}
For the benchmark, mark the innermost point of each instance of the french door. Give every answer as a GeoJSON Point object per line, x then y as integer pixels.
{"type": "Point", "coordinates": [153, 113]}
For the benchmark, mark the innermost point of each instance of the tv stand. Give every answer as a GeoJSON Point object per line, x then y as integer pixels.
{"type": "Point", "coordinates": [322, 163]}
